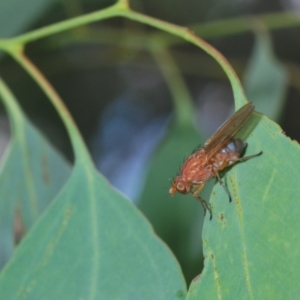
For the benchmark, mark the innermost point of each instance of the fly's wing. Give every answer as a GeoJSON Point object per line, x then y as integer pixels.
{"type": "Point", "coordinates": [223, 135]}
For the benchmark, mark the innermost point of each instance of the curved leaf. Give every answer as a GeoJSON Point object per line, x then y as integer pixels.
{"type": "Point", "coordinates": [16, 16]}
{"type": "Point", "coordinates": [266, 78]}
{"type": "Point", "coordinates": [251, 245]}
{"type": "Point", "coordinates": [32, 173]}
{"type": "Point", "coordinates": [91, 244]}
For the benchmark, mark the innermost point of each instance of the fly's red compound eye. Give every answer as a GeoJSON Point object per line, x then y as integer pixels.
{"type": "Point", "coordinates": [180, 187]}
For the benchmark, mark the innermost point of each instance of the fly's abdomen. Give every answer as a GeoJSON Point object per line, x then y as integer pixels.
{"type": "Point", "coordinates": [229, 154]}
{"type": "Point", "coordinates": [236, 146]}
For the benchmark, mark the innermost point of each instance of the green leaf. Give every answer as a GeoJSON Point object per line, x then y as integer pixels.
{"type": "Point", "coordinates": [178, 221]}
{"type": "Point", "coordinates": [266, 79]}
{"type": "Point", "coordinates": [17, 15]}
{"type": "Point", "coordinates": [91, 244]}
{"type": "Point", "coordinates": [251, 246]}
{"type": "Point", "coordinates": [32, 173]}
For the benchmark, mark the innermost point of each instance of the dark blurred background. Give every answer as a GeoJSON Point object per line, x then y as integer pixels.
{"type": "Point", "coordinates": [118, 96]}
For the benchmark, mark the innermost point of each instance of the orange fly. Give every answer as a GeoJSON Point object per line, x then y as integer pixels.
{"type": "Point", "coordinates": [220, 151]}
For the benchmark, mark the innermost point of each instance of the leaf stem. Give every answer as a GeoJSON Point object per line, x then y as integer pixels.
{"type": "Point", "coordinates": [180, 94]}
{"type": "Point", "coordinates": [64, 25]}
{"type": "Point", "coordinates": [188, 35]}
{"type": "Point", "coordinates": [80, 149]}
{"type": "Point", "coordinates": [15, 48]}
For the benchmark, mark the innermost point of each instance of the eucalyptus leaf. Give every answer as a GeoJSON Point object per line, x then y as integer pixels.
{"type": "Point", "coordinates": [266, 78]}
{"type": "Point", "coordinates": [251, 247]}
{"type": "Point", "coordinates": [16, 15]}
{"type": "Point", "coordinates": [91, 243]}
{"type": "Point", "coordinates": [32, 173]}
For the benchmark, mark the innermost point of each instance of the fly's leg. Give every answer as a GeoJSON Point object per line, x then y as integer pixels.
{"type": "Point", "coordinates": [236, 160]}
{"type": "Point", "coordinates": [205, 205]}
{"type": "Point", "coordinates": [222, 184]}
{"type": "Point", "coordinates": [249, 157]}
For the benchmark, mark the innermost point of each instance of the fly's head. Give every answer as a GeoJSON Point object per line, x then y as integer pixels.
{"type": "Point", "coordinates": [179, 185]}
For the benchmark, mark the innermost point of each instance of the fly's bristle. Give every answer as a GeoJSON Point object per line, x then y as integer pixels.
{"type": "Point", "coordinates": [196, 149]}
